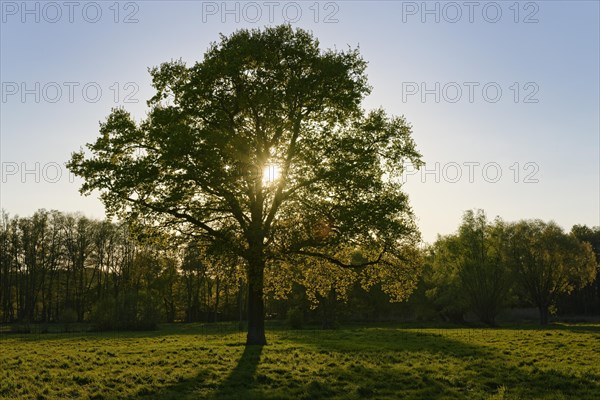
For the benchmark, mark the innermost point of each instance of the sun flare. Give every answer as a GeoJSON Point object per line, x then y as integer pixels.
{"type": "Point", "coordinates": [271, 173]}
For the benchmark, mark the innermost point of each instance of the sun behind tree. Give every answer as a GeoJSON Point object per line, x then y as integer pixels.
{"type": "Point", "coordinates": [263, 98]}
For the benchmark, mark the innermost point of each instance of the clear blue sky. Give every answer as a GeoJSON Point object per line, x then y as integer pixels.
{"type": "Point", "coordinates": [542, 133]}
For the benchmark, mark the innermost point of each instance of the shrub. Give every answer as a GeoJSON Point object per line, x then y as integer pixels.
{"type": "Point", "coordinates": [20, 328]}
{"type": "Point", "coordinates": [68, 316]}
{"type": "Point", "coordinates": [295, 318]}
{"type": "Point", "coordinates": [104, 314]}
{"type": "Point", "coordinates": [149, 312]}
{"type": "Point", "coordinates": [132, 311]}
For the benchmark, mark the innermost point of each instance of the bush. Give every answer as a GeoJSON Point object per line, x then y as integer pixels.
{"type": "Point", "coordinates": [129, 312]}
{"type": "Point", "coordinates": [68, 316]}
{"type": "Point", "coordinates": [149, 313]}
{"type": "Point", "coordinates": [20, 328]}
{"type": "Point", "coordinates": [104, 316]}
{"type": "Point", "coordinates": [295, 318]}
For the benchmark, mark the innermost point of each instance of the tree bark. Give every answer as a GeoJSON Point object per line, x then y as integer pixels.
{"type": "Point", "coordinates": [489, 320]}
{"type": "Point", "coordinates": [215, 319]}
{"type": "Point", "coordinates": [256, 305]}
{"type": "Point", "coordinates": [543, 315]}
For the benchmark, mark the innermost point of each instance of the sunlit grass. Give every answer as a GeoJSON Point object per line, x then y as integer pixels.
{"type": "Point", "coordinates": [188, 362]}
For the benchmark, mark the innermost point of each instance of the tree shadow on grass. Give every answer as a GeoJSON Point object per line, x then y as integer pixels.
{"type": "Point", "coordinates": [578, 328]}
{"type": "Point", "coordinates": [239, 384]}
{"type": "Point", "coordinates": [554, 326]}
{"type": "Point", "coordinates": [207, 330]}
{"type": "Point", "coordinates": [385, 363]}
{"type": "Point", "coordinates": [456, 369]}
{"type": "Point", "coordinates": [241, 380]}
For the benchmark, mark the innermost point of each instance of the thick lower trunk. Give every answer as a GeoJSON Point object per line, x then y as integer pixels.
{"type": "Point", "coordinates": [489, 320]}
{"type": "Point", "coordinates": [487, 316]}
{"type": "Point", "coordinates": [329, 311]}
{"type": "Point", "coordinates": [543, 315]}
{"type": "Point", "coordinates": [216, 300]}
{"type": "Point", "coordinates": [256, 305]}
{"type": "Point", "coordinates": [453, 317]}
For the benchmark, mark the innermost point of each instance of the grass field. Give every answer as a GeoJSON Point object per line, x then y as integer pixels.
{"type": "Point", "coordinates": [391, 361]}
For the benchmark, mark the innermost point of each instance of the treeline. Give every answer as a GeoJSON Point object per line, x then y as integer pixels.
{"type": "Point", "coordinates": [57, 267]}
{"type": "Point", "coordinates": [486, 267]}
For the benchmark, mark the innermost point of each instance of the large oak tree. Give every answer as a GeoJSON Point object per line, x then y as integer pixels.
{"type": "Point", "coordinates": [265, 100]}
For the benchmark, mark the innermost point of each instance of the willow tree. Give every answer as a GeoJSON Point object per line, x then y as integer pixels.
{"type": "Point", "coordinates": [548, 262]}
{"type": "Point", "coordinates": [468, 272]}
{"type": "Point", "coordinates": [264, 147]}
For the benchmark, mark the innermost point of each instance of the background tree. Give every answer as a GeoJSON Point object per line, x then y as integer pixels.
{"type": "Point", "coordinates": [586, 300]}
{"type": "Point", "coordinates": [441, 281]}
{"type": "Point", "coordinates": [78, 236]}
{"type": "Point", "coordinates": [258, 100]}
{"type": "Point", "coordinates": [548, 262]}
{"type": "Point", "coordinates": [7, 274]}
{"type": "Point", "coordinates": [468, 270]}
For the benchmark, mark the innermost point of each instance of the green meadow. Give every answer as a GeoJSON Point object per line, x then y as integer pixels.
{"type": "Point", "coordinates": [353, 362]}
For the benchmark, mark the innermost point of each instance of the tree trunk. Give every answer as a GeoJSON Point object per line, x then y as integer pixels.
{"type": "Point", "coordinates": [216, 299]}
{"type": "Point", "coordinates": [241, 304]}
{"type": "Point", "coordinates": [256, 305]}
{"type": "Point", "coordinates": [489, 320]}
{"type": "Point", "coordinates": [329, 310]}
{"type": "Point", "coordinates": [543, 315]}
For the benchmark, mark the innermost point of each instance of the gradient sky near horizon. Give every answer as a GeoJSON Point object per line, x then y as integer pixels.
{"type": "Point", "coordinates": [503, 97]}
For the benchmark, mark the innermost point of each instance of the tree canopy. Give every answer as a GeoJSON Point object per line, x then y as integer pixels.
{"type": "Point", "coordinates": [549, 262]}
{"type": "Point", "coordinates": [265, 100]}
{"type": "Point", "coordinates": [467, 269]}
